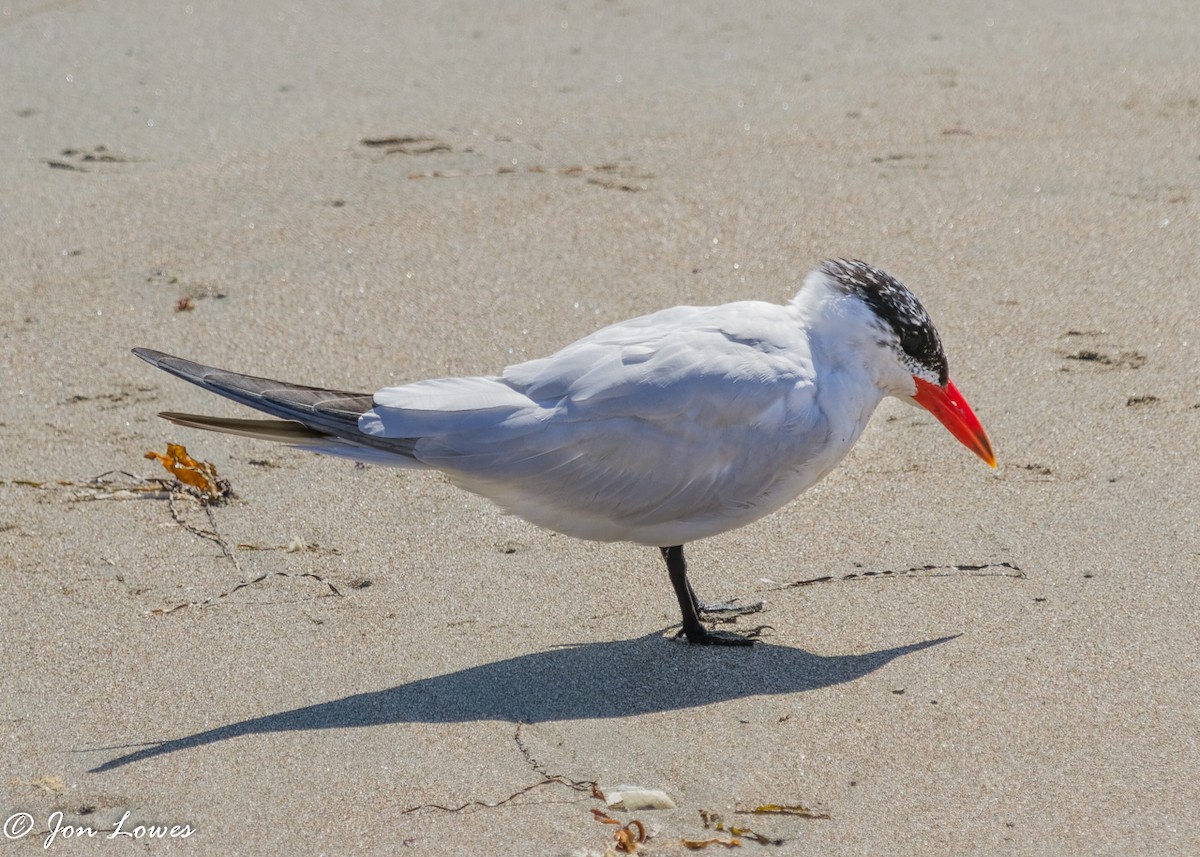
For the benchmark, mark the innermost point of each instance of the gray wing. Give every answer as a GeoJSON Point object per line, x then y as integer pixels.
{"type": "Point", "coordinates": [312, 417]}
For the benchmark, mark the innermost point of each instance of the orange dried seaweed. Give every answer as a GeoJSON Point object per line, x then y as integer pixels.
{"type": "Point", "coordinates": [630, 836]}
{"type": "Point", "coordinates": [197, 474]}
{"type": "Point", "coordinates": [780, 809]}
{"type": "Point", "coordinates": [697, 844]}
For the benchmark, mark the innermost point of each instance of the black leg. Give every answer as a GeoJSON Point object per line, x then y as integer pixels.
{"type": "Point", "coordinates": [690, 606]}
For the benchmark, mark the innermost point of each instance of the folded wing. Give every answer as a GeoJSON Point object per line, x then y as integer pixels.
{"type": "Point", "coordinates": [680, 416]}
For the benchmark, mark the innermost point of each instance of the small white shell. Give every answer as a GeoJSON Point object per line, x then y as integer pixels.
{"type": "Point", "coordinates": [633, 798]}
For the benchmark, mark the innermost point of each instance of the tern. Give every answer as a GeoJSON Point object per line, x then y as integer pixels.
{"type": "Point", "coordinates": [659, 430]}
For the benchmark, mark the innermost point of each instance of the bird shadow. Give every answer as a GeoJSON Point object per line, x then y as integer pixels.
{"type": "Point", "coordinates": [623, 678]}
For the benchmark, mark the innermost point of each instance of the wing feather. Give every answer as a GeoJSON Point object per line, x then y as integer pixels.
{"type": "Point", "coordinates": [323, 420]}
{"type": "Point", "coordinates": [588, 441]}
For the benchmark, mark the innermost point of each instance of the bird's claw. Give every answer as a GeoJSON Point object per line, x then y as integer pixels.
{"type": "Point", "coordinates": [705, 637]}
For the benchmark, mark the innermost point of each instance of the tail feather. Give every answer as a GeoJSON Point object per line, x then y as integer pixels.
{"type": "Point", "coordinates": [280, 431]}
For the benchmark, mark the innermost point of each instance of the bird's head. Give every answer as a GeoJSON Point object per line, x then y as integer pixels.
{"type": "Point", "coordinates": [912, 364]}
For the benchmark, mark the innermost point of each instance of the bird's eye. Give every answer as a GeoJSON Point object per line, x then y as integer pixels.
{"type": "Point", "coordinates": [914, 343]}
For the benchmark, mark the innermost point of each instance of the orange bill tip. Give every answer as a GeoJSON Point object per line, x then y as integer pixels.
{"type": "Point", "coordinates": [952, 411]}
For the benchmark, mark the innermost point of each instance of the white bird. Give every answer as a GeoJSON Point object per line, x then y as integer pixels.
{"type": "Point", "coordinates": [659, 430]}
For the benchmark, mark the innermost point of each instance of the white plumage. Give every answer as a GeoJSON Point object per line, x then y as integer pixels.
{"type": "Point", "coordinates": [659, 430]}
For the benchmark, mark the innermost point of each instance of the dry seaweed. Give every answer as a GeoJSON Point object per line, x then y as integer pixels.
{"type": "Point", "coordinates": [199, 475]}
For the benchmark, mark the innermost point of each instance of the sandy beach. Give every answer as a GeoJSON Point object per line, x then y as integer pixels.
{"type": "Point", "coordinates": [360, 660]}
